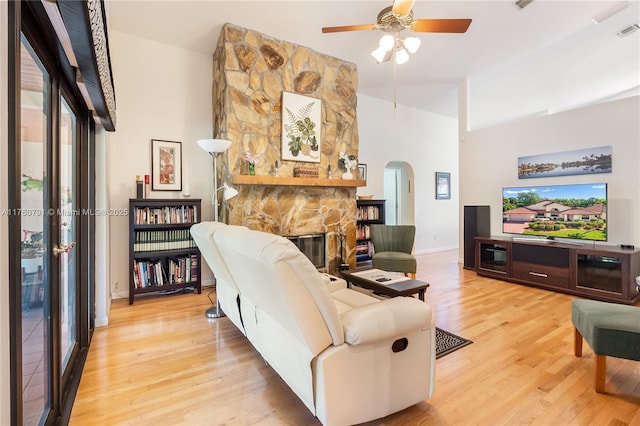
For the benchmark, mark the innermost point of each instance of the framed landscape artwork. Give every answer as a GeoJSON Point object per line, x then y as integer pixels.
{"type": "Point", "coordinates": [443, 186]}
{"type": "Point", "coordinates": [567, 163]}
{"type": "Point", "coordinates": [300, 127]}
{"type": "Point", "coordinates": [166, 165]}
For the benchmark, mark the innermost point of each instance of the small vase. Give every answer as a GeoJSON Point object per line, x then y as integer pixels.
{"type": "Point", "coordinates": [347, 174]}
{"type": "Point", "coordinates": [252, 169]}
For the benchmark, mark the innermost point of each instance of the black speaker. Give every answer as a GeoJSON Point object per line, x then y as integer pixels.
{"type": "Point", "coordinates": [477, 223]}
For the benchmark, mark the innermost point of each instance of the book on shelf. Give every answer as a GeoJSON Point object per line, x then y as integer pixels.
{"type": "Point", "coordinates": [166, 215]}
{"type": "Point", "coordinates": [368, 213]}
{"type": "Point", "coordinates": [162, 240]}
{"type": "Point", "coordinates": [363, 232]}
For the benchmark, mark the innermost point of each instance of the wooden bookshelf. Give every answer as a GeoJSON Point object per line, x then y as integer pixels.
{"type": "Point", "coordinates": [368, 212]}
{"type": "Point", "coordinates": [162, 255]}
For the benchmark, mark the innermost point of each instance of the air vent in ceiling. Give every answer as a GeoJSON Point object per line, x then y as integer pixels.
{"type": "Point", "coordinates": [522, 3]}
{"type": "Point", "coordinates": [628, 30]}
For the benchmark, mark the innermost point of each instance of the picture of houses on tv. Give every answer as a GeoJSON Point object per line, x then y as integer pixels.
{"type": "Point", "coordinates": [577, 211]}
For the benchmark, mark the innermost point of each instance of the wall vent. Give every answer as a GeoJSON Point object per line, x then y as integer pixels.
{"type": "Point", "coordinates": [522, 3]}
{"type": "Point", "coordinates": [628, 30]}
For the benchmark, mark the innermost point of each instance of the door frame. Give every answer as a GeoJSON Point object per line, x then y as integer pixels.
{"type": "Point", "coordinates": [406, 193]}
{"type": "Point", "coordinates": [31, 19]}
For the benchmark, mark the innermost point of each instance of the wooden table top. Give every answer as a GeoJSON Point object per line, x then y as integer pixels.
{"type": "Point", "coordinates": [402, 288]}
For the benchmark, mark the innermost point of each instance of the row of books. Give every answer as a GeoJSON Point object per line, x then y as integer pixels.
{"type": "Point", "coordinates": [166, 215]}
{"type": "Point", "coordinates": [368, 213]}
{"type": "Point", "coordinates": [365, 248]}
{"type": "Point", "coordinates": [149, 273]}
{"type": "Point", "coordinates": [363, 232]}
{"type": "Point", "coordinates": [174, 239]}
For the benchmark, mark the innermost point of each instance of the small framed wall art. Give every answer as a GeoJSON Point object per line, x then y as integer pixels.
{"type": "Point", "coordinates": [362, 171]}
{"type": "Point", "coordinates": [166, 165]}
{"type": "Point", "coordinates": [443, 186]}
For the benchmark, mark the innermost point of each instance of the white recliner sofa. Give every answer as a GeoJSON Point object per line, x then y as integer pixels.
{"type": "Point", "coordinates": [349, 357]}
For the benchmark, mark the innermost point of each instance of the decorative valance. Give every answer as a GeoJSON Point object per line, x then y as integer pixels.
{"type": "Point", "coordinates": [85, 23]}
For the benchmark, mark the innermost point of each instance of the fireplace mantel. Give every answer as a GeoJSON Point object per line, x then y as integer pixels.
{"type": "Point", "coordinates": [296, 181]}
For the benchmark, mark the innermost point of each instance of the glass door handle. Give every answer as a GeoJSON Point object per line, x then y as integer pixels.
{"type": "Point", "coordinates": [64, 249]}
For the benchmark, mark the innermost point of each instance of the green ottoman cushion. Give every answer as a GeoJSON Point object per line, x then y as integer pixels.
{"type": "Point", "coordinates": [610, 329]}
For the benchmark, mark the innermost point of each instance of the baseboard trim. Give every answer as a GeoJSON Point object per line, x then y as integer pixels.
{"type": "Point", "coordinates": [119, 295]}
{"type": "Point", "coordinates": [435, 250]}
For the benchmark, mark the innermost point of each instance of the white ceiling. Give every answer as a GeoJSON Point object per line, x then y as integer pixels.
{"type": "Point", "coordinates": [545, 58]}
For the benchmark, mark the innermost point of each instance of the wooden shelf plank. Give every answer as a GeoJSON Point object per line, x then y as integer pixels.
{"type": "Point", "coordinates": [295, 181]}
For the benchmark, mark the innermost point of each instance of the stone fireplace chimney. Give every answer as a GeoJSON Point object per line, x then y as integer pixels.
{"type": "Point", "coordinates": [250, 72]}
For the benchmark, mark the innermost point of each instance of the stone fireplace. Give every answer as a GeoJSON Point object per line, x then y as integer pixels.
{"type": "Point", "coordinates": [314, 246]}
{"type": "Point", "coordinates": [250, 72]}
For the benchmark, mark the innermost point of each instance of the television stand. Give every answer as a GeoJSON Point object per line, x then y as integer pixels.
{"type": "Point", "coordinates": [547, 240]}
{"type": "Point", "coordinates": [598, 272]}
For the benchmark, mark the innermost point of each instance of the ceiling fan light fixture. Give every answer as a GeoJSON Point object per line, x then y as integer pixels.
{"type": "Point", "coordinates": [379, 54]}
{"type": "Point", "coordinates": [411, 44]}
{"type": "Point", "coordinates": [387, 42]}
{"type": "Point", "coordinates": [402, 56]}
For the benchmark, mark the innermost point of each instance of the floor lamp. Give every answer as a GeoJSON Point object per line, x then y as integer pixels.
{"type": "Point", "coordinates": [213, 147]}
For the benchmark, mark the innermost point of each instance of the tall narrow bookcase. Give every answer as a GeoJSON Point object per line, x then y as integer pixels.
{"type": "Point", "coordinates": [368, 212]}
{"type": "Point", "coordinates": [162, 255]}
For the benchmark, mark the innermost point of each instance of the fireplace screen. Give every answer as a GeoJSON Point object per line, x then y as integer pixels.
{"type": "Point", "coordinates": [312, 246]}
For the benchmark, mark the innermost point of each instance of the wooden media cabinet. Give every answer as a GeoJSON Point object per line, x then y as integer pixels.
{"type": "Point", "coordinates": [594, 271]}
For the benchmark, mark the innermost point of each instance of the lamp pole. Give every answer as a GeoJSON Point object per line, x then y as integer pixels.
{"type": "Point", "coordinates": [215, 187]}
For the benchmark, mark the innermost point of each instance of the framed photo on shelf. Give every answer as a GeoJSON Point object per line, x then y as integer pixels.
{"type": "Point", "coordinates": [443, 186]}
{"type": "Point", "coordinates": [166, 165]}
{"type": "Point", "coordinates": [362, 171]}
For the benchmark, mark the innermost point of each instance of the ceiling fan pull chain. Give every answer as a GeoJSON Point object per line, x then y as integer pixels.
{"type": "Point", "coordinates": [395, 82]}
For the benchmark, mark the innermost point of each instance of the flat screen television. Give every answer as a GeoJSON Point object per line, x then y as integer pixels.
{"type": "Point", "coordinates": [576, 211]}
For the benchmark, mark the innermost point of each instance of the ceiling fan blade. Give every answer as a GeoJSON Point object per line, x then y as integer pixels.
{"type": "Point", "coordinates": [441, 25]}
{"type": "Point", "coordinates": [348, 28]}
{"type": "Point", "coordinates": [402, 7]}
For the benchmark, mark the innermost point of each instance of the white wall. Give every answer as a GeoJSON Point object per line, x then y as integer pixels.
{"type": "Point", "coordinates": [489, 159]}
{"type": "Point", "coordinates": [162, 92]}
{"type": "Point", "coordinates": [5, 389]}
{"type": "Point", "coordinates": [429, 143]}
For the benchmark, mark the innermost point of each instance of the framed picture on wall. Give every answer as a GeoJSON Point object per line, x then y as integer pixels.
{"type": "Point", "coordinates": [301, 127]}
{"type": "Point", "coordinates": [362, 171]}
{"type": "Point", "coordinates": [166, 165]}
{"type": "Point", "coordinates": [443, 186]}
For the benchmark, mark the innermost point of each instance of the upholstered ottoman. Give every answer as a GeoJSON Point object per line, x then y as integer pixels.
{"type": "Point", "coordinates": [610, 329]}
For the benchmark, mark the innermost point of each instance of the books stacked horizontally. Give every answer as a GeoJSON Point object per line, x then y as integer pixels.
{"type": "Point", "coordinates": [306, 172]}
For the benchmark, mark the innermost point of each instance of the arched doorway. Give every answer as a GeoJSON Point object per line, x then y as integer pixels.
{"type": "Point", "coordinates": [399, 193]}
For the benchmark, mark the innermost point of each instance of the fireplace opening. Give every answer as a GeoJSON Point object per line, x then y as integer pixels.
{"type": "Point", "coordinates": [312, 246]}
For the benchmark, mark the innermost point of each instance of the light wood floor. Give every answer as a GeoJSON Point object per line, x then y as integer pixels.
{"type": "Point", "coordinates": [162, 362]}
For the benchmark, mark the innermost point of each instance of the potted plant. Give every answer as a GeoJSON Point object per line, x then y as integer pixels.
{"type": "Point", "coordinates": [346, 162]}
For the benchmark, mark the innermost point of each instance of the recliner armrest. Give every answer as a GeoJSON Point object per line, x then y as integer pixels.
{"type": "Point", "coordinates": [333, 283]}
{"type": "Point", "coordinates": [387, 319]}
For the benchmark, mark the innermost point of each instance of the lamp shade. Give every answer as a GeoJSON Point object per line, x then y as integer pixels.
{"type": "Point", "coordinates": [387, 42]}
{"type": "Point", "coordinates": [379, 54]}
{"type": "Point", "coordinates": [401, 56]}
{"type": "Point", "coordinates": [412, 44]}
{"type": "Point", "coordinates": [214, 145]}
{"type": "Point", "coordinates": [228, 191]}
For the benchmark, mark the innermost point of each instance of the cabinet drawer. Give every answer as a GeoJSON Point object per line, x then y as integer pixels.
{"type": "Point", "coordinates": [541, 274]}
